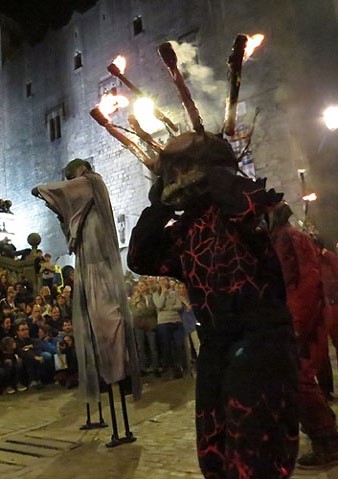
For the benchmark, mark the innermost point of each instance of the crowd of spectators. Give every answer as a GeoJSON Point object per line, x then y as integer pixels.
{"type": "Point", "coordinates": [37, 345]}
{"type": "Point", "coordinates": [36, 334]}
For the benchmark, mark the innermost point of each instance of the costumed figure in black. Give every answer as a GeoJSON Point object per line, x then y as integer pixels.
{"type": "Point", "coordinates": [246, 386]}
{"type": "Point", "coordinates": [246, 392]}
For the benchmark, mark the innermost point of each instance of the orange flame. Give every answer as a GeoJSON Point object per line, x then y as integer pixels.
{"type": "Point", "coordinates": [110, 103]}
{"type": "Point", "coordinates": [310, 197]}
{"type": "Point", "coordinates": [252, 43]}
{"type": "Point", "coordinates": [121, 63]}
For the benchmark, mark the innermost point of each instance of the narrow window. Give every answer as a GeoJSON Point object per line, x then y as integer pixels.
{"type": "Point", "coordinates": [57, 123]}
{"type": "Point", "coordinates": [77, 60]}
{"type": "Point", "coordinates": [55, 128]}
{"type": "Point", "coordinates": [51, 129]}
{"type": "Point", "coordinates": [137, 25]}
{"type": "Point", "coordinates": [28, 89]}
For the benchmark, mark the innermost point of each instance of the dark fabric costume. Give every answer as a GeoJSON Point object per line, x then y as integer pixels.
{"type": "Point", "coordinates": [246, 419]}
{"type": "Point", "coordinates": [102, 322]}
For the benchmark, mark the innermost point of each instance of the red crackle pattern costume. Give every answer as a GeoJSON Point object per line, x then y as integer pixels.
{"type": "Point", "coordinates": [246, 386]}
{"type": "Point", "coordinates": [302, 275]}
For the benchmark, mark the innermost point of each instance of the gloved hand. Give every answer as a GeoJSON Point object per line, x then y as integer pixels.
{"type": "Point", "coordinates": [155, 192]}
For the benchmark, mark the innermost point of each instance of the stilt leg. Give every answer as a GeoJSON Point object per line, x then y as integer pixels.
{"type": "Point", "coordinates": [129, 434]}
{"type": "Point", "coordinates": [93, 425]}
{"type": "Point", "coordinates": [115, 440]}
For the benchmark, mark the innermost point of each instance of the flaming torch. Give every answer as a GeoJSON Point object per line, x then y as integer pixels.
{"type": "Point", "coordinates": [115, 69]}
{"type": "Point", "coordinates": [169, 57]}
{"type": "Point", "coordinates": [242, 49]}
{"type": "Point", "coordinates": [102, 120]}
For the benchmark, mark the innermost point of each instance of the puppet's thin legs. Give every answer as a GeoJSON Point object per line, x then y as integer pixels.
{"type": "Point", "coordinates": [94, 425]}
{"type": "Point", "coordinates": [129, 434]}
{"type": "Point", "coordinates": [115, 439]}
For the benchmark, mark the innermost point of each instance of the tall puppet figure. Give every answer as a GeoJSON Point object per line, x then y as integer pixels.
{"type": "Point", "coordinates": [102, 323]}
{"type": "Point", "coordinates": [246, 420]}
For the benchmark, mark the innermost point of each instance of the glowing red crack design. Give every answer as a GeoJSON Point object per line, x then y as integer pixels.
{"type": "Point", "coordinates": [215, 260]}
{"type": "Point", "coordinates": [242, 464]}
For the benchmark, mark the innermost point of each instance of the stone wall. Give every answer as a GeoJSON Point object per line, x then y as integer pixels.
{"type": "Point", "coordinates": [272, 81]}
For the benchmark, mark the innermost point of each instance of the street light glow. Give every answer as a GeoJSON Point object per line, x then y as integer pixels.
{"type": "Point", "coordinates": [331, 117]}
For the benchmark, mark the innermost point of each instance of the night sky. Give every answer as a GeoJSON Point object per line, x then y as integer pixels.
{"type": "Point", "coordinates": [37, 16]}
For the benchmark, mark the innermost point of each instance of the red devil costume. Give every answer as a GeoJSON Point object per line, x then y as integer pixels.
{"type": "Point", "coordinates": [301, 269]}
{"type": "Point", "coordinates": [246, 391]}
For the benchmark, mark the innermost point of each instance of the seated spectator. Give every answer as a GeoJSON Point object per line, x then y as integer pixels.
{"type": "Point", "coordinates": [68, 377]}
{"type": "Point", "coordinates": [9, 300]}
{"type": "Point", "coordinates": [34, 321]}
{"type": "Point", "coordinates": [66, 330]}
{"type": "Point", "coordinates": [46, 293]}
{"type": "Point", "coordinates": [4, 283]}
{"type": "Point", "coordinates": [6, 327]}
{"type": "Point", "coordinates": [46, 308]}
{"type": "Point", "coordinates": [32, 360]}
{"type": "Point", "coordinates": [55, 320]}
{"type": "Point", "coordinates": [65, 311]}
{"type": "Point", "coordinates": [11, 366]}
{"type": "Point", "coordinates": [67, 294]}
{"type": "Point", "coordinates": [68, 275]}
{"type": "Point", "coordinates": [48, 346]}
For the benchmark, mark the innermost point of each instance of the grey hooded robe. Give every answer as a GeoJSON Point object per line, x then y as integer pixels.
{"type": "Point", "coordinates": [101, 318]}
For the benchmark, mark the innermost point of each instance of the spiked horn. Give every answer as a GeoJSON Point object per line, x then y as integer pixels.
{"type": "Point", "coordinates": [115, 71]}
{"type": "Point", "coordinates": [169, 57]}
{"type": "Point", "coordinates": [235, 69]}
{"type": "Point", "coordinates": [146, 137]}
{"type": "Point", "coordinates": [113, 131]}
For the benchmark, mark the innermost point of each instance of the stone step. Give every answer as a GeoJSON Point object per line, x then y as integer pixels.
{"type": "Point", "coordinates": [19, 451]}
{"type": "Point", "coordinates": [47, 443]}
{"type": "Point", "coordinates": [12, 459]}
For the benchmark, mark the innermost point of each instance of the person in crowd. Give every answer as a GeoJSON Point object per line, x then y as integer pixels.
{"type": "Point", "coordinates": [129, 282]}
{"type": "Point", "coordinates": [11, 366]}
{"type": "Point", "coordinates": [47, 271]}
{"type": "Point", "coordinates": [68, 377]}
{"type": "Point", "coordinates": [34, 320]}
{"type": "Point", "coordinates": [48, 347]}
{"type": "Point", "coordinates": [189, 321]}
{"type": "Point", "coordinates": [144, 316]}
{"type": "Point", "coordinates": [152, 284]}
{"type": "Point", "coordinates": [39, 259]}
{"type": "Point", "coordinates": [170, 330]}
{"type": "Point", "coordinates": [67, 329]}
{"type": "Point", "coordinates": [46, 293]}
{"type": "Point", "coordinates": [69, 280]}
{"type": "Point", "coordinates": [32, 360]}
{"type": "Point", "coordinates": [9, 300]}
{"type": "Point", "coordinates": [4, 283]}
{"type": "Point", "coordinates": [65, 310]}
{"type": "Point", "coordinates": [67, 294]}
{"type": "Point", "coordinates": [6, 327]}
{"type": "Point", "coordinates": [301, 271]}
{"type": "Point", "coordinates": [46, 308]}
{"type": "Point", "coordinates": [55, 320]}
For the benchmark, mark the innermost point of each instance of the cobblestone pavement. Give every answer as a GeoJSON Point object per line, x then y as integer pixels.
{"type": "Point", "coordinates": [40, 437]}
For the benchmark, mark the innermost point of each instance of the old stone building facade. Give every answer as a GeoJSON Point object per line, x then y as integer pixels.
{"type": "Point", "coordinates": [49, 88]}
